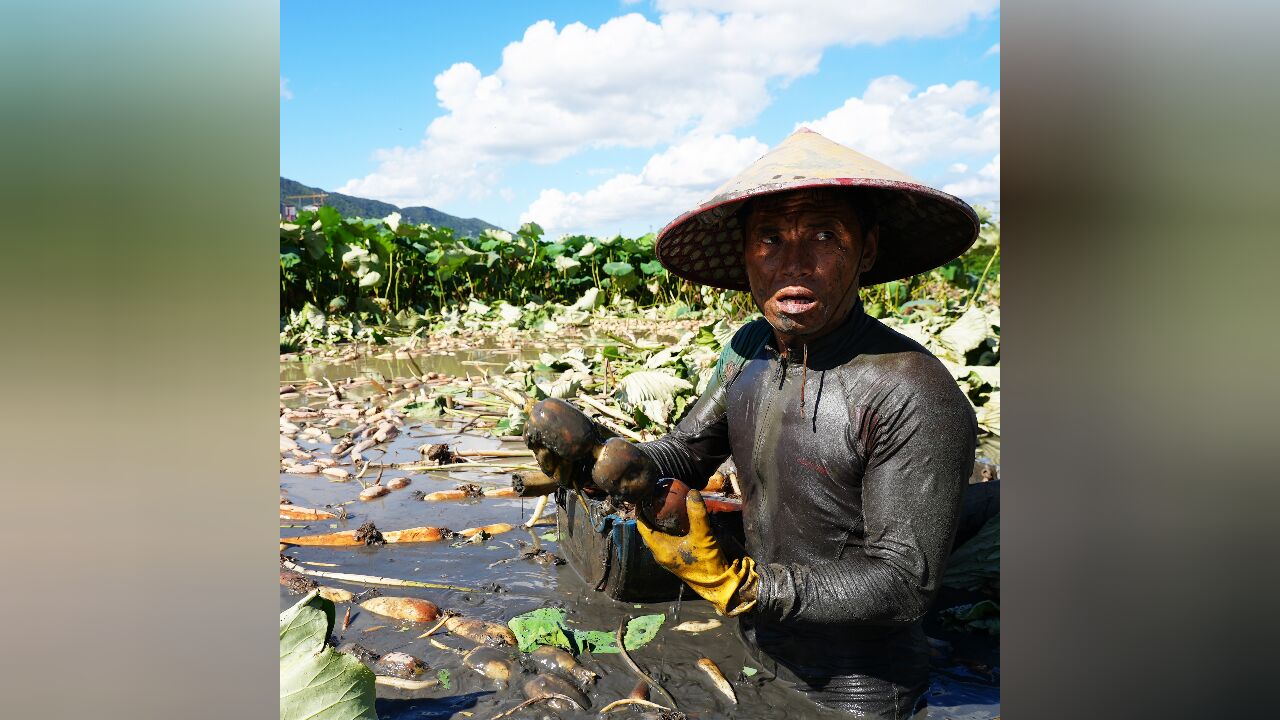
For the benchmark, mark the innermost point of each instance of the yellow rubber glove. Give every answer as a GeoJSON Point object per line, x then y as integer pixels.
{"type": "Point", "coordinates": [697, 559]}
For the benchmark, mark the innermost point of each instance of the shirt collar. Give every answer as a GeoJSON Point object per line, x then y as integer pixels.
{"type": "Point", "coordinates": [834, 348]}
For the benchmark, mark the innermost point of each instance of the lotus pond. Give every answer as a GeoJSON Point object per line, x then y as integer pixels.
{"type": "Point", "coordinates": [431, 413]}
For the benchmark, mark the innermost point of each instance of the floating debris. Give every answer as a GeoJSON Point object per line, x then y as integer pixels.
{"type": "Point", "coordinates": [696, 626]}
{"type": "Point", "coordinates": [439, 453]}
{"type": "Point", "coordinates": [348, 537]}
{"type": "Point", "coordinates": [337, 595]}
{"type": "Point", "coordinates": [373, 492]}
{"type": "Point", "coordinates": [403, 684]}
{"type": "Point", "coordinates": [359, 652]}
{"type": "Point", "coordinates": [489, 662]}
{"type": "Point", "coordinates": [480, 632]}
{"type": "Point", "coordinates": [401, 665]}
{"type": "Point", "coordinates": [494, 529]}
{"type": "Point", "coordinates": [717, 679]}
{"type": "Point", "coordinates": [532, 484]}
{"type": "Point", "coordinates": [556, 689]}
{"type": "Point", "coordinates": [391, 582]}
{"type": "Point", "coordinates": [368, 534]}
{"type": "Point", "coordinates": [460, 492]}
{"type": "Point", "coordinates": [294, 512]}
{"type": "Point", "coordinates": [622, 650]}
{"type": "Point", "coordinates": [666, 713]}
{"type": "Point", "coordinates": [297, 583]}
{"type": "Point", "coordinates": [554, 659]}
{"type": "Point", "coordinates": [403, 608]}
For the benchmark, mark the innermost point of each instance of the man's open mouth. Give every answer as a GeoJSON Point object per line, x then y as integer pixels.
{"type": "Point", "coordinates": [795, 300]}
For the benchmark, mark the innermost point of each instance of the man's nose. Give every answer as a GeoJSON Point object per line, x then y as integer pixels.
{"type": "Point", "coordinates": [797, 259]}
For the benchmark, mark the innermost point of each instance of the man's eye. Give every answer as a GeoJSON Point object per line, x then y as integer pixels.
{"type": "Point", "coordinates": [824, 236]}
{"type": "Point", "coordinates": [769, 239]}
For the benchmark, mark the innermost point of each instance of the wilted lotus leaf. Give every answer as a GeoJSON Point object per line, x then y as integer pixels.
{"type": "Point", "coordinates": [968, 331]}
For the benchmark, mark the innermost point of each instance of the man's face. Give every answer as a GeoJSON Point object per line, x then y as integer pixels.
{"type": "Point", "coordinates": [804, 253]}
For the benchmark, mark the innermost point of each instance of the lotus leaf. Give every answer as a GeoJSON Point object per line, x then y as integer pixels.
{"type": "Point", "coordinates": [968, 332]}
{"type": "Point", "coordinates": [564, 263]}
{"type": "Point", "coordinates": [510, 314]}
{"type": "Point", "coordinates": [547, 626]}
{"type": "Point", "coordinates": [316, 682]}
{"type": "Point", "coordinates": [650, 385]}
{"type": "Point", "coordinates": [652, 267]}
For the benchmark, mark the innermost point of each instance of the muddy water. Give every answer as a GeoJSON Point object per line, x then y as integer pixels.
{"type": "Point", "coordinates": [961, 687]}
{"type": "Point", "coordinates": [388, 364]}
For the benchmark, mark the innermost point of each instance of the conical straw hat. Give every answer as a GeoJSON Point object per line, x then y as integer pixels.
{"type": "Point", "coordinates": [920, 228]}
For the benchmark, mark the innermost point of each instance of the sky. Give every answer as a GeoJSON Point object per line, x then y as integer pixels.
{"type": "Point", "coordinates": [606, 118]}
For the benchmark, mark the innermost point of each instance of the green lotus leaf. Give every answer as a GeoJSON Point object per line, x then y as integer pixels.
{"type": "Point", "coordinates": [317, 682]}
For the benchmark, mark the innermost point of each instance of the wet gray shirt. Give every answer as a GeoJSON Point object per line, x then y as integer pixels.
{"type": "Point", "coordinates": [852, 461]}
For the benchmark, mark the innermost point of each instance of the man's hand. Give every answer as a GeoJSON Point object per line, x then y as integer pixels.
{"type": "Point", "coordinates": [697, 559]}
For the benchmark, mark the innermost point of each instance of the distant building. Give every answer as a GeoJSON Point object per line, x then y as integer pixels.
{"type": "Point", "coordinates": [310, 208]}
{"type": "Point", "coordinates": [288, 212]}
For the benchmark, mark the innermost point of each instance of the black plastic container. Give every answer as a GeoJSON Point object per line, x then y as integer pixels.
{"type": "Point", "coordinates": [608, 553]}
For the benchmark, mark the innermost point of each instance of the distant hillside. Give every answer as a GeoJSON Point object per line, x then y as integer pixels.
{"type": "Point", "coordinates": [363, 207]}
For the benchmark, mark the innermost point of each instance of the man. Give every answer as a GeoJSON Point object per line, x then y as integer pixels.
{"type": "Point", "coordinates": [853, 443]}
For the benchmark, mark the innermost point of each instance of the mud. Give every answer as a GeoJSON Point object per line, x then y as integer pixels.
{"type": "Point", "coordinates": [368, 534]}
{"type": "Point", "coordinates": [359, 652]}
{"type": "Point", "coordinates": [439, 453]}
{"type": "Point", "coordinates": [297, 583]}
{"type": "Point", "coordinates": [401, 665]}
{"type": "Point", "coordinates": [966, 668]}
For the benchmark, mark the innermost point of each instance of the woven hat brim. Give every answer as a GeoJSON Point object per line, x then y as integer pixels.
{"type": "Point", "coordinates": [920, 228]}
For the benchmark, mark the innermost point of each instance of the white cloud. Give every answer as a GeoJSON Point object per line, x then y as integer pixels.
{"type": "Point", "coordinates": [671, 182]}
{"type": "Point", "coordinates": [981, 188]}
{"type": "Point", "coordinates": [704, 68]}
{"type": "Point", "coordinates": [940, 123]}
{"type": "Point", "coordinates": [942, 126]}
{"type": "Point", "coordinates": [993, 50]}
{"type": "Point", "coordinates": [285, 92]}
{"type": "Point", "coordinates": [846, 22]}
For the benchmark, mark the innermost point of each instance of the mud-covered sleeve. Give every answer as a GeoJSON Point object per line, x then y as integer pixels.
{"type": "Point", "coordinates": [693, 450]}
{"type": "Point", "coordinates": [919, 448]}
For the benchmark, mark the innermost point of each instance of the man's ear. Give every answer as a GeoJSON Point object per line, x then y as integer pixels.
{"type": "Point", "coordinates": [870, 243]}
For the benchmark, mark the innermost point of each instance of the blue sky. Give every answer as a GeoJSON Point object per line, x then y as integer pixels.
{"type": "Point", "coordinates": [607, 118]}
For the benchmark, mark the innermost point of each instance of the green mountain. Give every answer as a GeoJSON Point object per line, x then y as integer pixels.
{"type": "Point", "coordinates": [362, 207]}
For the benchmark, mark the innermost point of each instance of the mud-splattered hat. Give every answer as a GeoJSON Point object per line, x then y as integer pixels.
{"type": "Point", "coordinates": [920, 228]}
